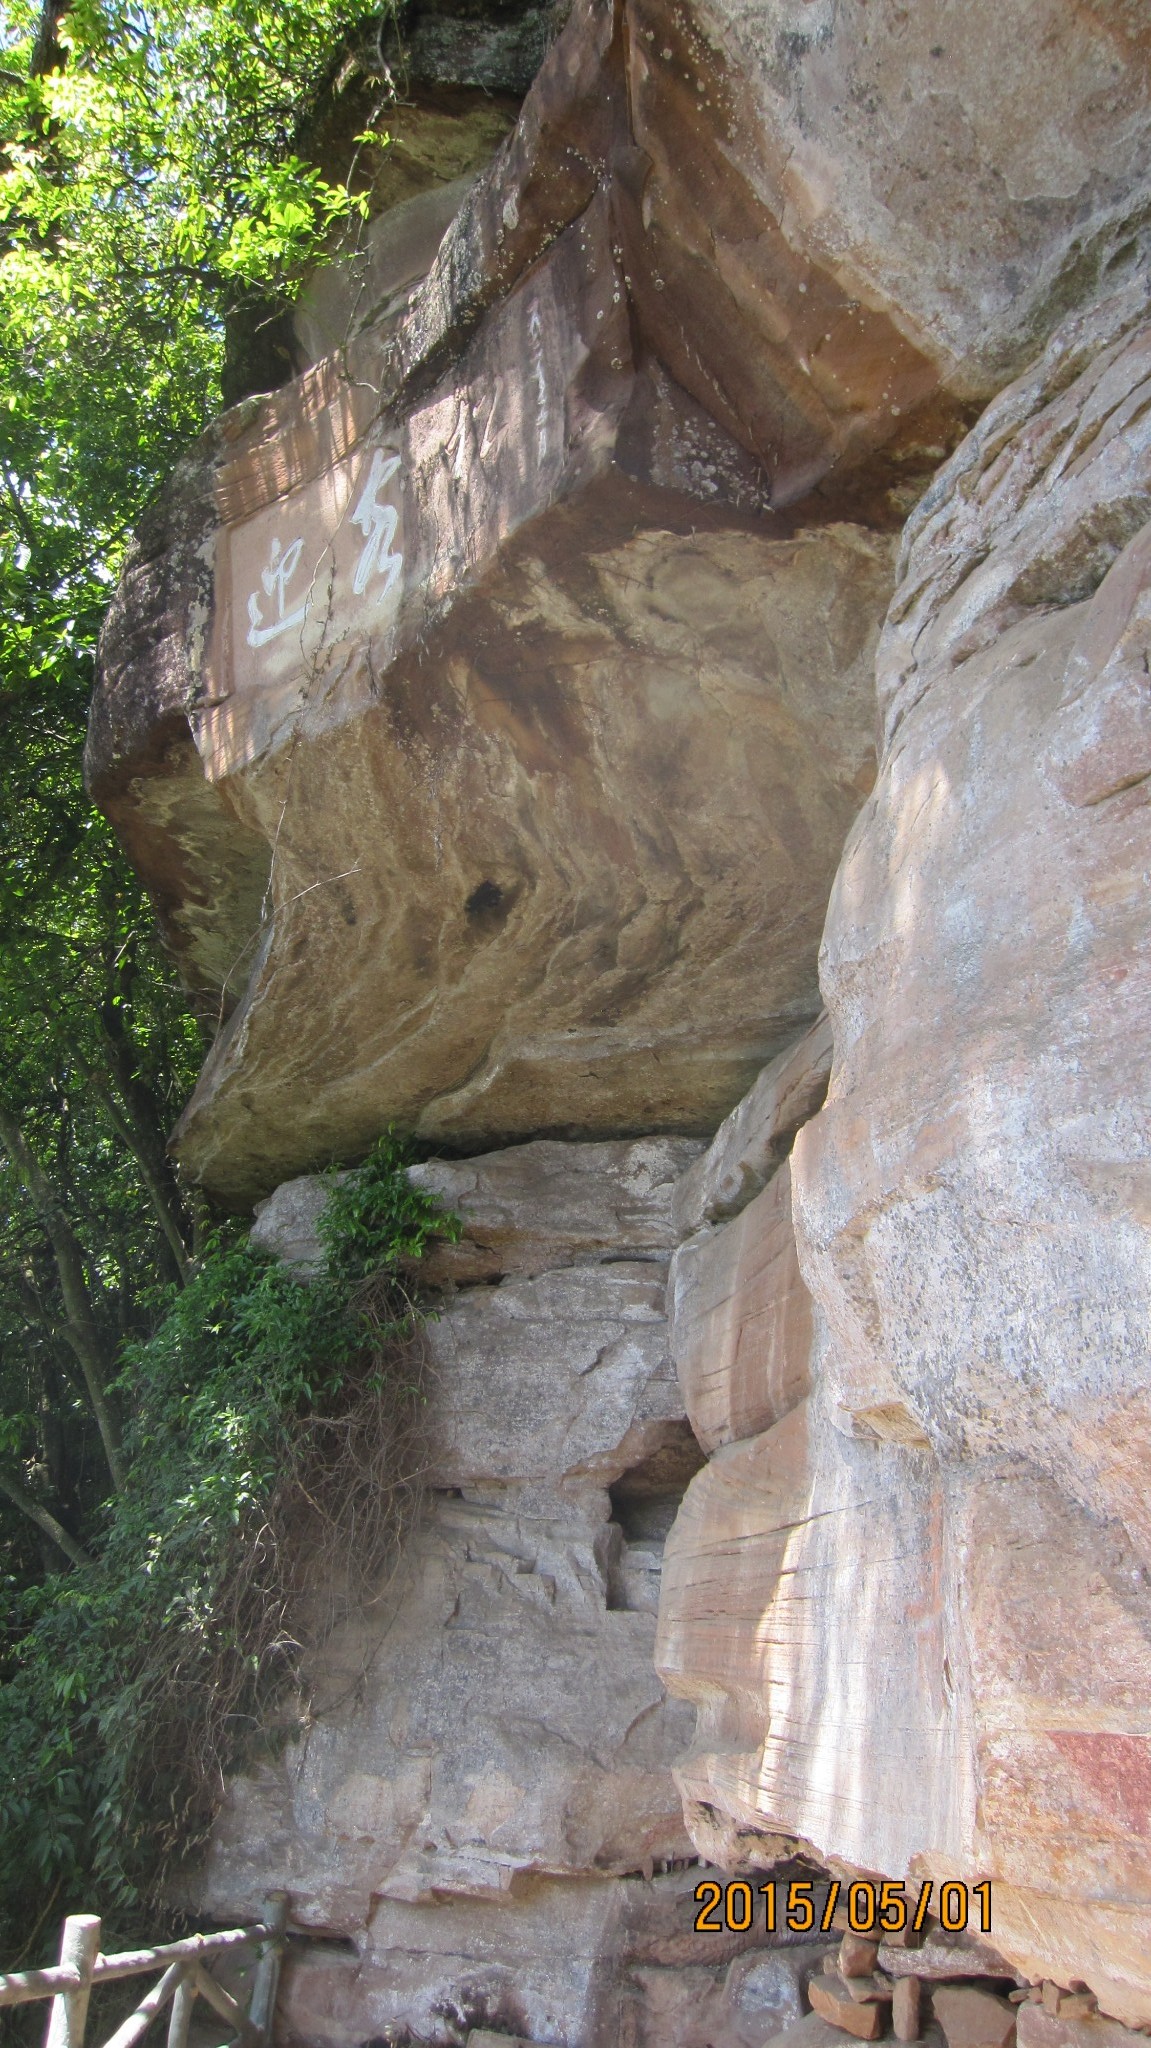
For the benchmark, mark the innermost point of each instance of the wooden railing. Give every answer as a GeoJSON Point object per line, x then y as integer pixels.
{"type": "Point", "coordinates": [185, 1978]}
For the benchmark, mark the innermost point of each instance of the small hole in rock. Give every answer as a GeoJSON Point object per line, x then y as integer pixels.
{"type": "Point", "coordinates": [486, 903]}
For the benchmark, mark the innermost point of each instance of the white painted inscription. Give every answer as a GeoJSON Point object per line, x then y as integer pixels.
{"type": "Point", "coordinates": [378, 525]}
{"type": "Point", "coordinates": [282, 566]}
{"type": "Point", "coordinates": [536, 343]}
{"type": "Point", "coordinates": [317, 561]}
{"type": "Point", "coordinates": [304, 580]}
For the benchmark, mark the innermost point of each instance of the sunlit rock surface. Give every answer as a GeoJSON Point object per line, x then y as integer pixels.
{"type": "Point", "coordinates": [487, 711]}
{"type": "Point", "coordinates": [915, 1610]}
{"type": "Point", "coordinates": [741, 1320]}
{"type": "Point", "coordinates": [489, 1750]}
{"type": "Point", "coordinates": [495, 698]}
{"type": "Point", "coordinates": [556, 858]}
{"type": "Point", "coordinates": [480, 1824]}
{"type": "Point", "coordinates": [522, 1210]}
{"type": "Point", "coordinates": [981, 1253]}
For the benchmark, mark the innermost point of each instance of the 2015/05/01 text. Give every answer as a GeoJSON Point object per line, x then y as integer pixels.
{"type": "Point", "coordinates": [877, 1909]}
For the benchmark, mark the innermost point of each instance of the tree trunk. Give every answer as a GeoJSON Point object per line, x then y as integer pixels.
{"type": "Point", "coordinates": [80, 1328]}
{"type": "Point", "coordinates": [47, 50]}
{"type": "Point", "coordinates": [17, 1492]}
{"type": "Point", "coordinates": [126, 1131]}
{"type": "Point", "coordinates": [143, 1131]}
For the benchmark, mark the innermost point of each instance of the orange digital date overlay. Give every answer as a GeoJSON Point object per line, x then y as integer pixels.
{"type": "Point", "coordinates": [872, 1908]}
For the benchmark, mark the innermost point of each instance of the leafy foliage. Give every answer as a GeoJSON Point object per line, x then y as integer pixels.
{"type": "Point", "coordinates": [156, 191]}
{"type": "Point", "coordinates": [132, 1683]}
{"type": "Point", "coordinates": [152, 190]}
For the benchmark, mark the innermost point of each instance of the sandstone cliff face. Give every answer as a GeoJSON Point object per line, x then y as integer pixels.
{"type": "Point", "coordinates": [911, 1591]}
{"type": "Point", "coordinates": [498, 696]}
{"type": "Point", "coordinates": [480, 1827]}
{"type": "Point", "coordinates": [983, 1265]}
{"type": "Point", "coordinates": [490, 1752]}
{"type": "Point", "coordinates": [488, 711]}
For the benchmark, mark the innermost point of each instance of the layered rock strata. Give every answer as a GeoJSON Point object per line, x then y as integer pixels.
{"type": "Point", "coordinates": [910, 1593]}
{"type": "Point", "coordinates": [578, 802]}
{"type": "Point", "coordinates": [480, 1826]}
{"type": "Point", "coordinates": [487, 711]}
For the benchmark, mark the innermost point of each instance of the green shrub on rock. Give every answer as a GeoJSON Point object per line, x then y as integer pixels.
{"type": "Point", "coordinates": [276, 1448]}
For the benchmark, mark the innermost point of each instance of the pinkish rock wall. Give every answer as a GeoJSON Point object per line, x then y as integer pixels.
{"type": "Point", "coordinates": [911, 1593]}
{"type": "Point", "coordinates": [977, 1241]}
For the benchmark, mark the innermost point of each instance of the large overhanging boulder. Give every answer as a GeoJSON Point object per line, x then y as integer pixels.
{"type": "Point", "coordinates": [486, 710]}
{"type": "Point", "coordinates": [552, 758]}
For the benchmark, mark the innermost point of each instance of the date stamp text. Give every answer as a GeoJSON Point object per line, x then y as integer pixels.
{"type": "Point", "coordinates": [878, 1909]}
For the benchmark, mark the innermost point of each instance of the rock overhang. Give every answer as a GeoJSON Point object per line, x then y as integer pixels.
{"type": "Point", "coordinates": [555, 747]}
{"type": "Point", "coordinates": [487, 709]}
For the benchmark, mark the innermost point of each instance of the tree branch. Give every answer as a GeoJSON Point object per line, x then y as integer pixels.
{"type": "Point", "coordinates": [142, 1128]}
{"type": "Point", "coordinates": [126, 1130]}
{"type": "Point", "coordinates": [39, 1315]}
{"type": "Point", "coordinates": [80, 1328]}
{"type": "Point", "coordinates": [28, 1505]}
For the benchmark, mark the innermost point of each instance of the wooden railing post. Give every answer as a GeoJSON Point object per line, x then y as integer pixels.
{"type": "Point", "coordinates": [262, 2009]}
{"type": "Point", "coordinates": [181, 2014]}
{"type": "Point", "coordinates": [79, 1947]}
{"type": "Point", "coordinates": [69, 1982]}
{"type": "Point", "coordinates": [137, 2023]}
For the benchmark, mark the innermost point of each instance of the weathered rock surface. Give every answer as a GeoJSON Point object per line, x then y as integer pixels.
{"type": "Point", "coordinates": [495, 697]}
{"type": "Point", "coordinates": [769, 1991]}
{"type": "Point", "coordinates": [886, 138]}
{"type": "Point", "coordinates": [522, 1210]}
{"type": "Point", "coordinates": [740, 1321]}
{"type": "Point", "coordinates": [374, 285]}
{"type": "Point", "coordinates": [906, 2009]}
{"type": "Point", "coordinates": [506, 1727]}
{"type": "Point", "coordinates": [647, 1981]}
{"type": "Point", "coordinates": [831, 2000]}
{"type": "Point", "coordinates": [482, 1810]}
{"type": "Point", "coordinates": [754, 1140]}
{"type": "Point", "coordinates": [586, 1384]}
{"type": "Point", "coordinates": [968, 1203]}
{"type": "Point", "coordinates": [811, 2032]}
{"type": "Point", "coordinates": [1038, 2029]}
{"type": "Point", "coordinates": [973, 2018]}
{"type": "Point", "coordinates": [546, 1204]}
{"type": "Point", "coordinates": [915, 1613]}
{"type": "Point", "coordinates": [588, 805]}
{"type": "Point", "coordinates": [819, 1718]}
{"type": "Point", "coordinates": [287, 1224]}
{"type": "Point", "coordinates": [544, 1391]}
{"type": "Point", "coordinates": [944, 1956]}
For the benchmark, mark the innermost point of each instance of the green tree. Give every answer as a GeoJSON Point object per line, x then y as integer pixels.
{"type": "Point", "coordinates": [170, 1405]}
{"type": "Point", "coordinates": [275, 1443]}
{"type": "Point", "coordinates": [153, 198]}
